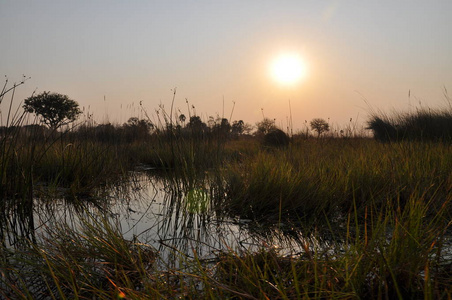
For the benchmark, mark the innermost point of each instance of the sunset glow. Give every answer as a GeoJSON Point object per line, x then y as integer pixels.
{"type": "Point", "coordinates": [240, 56]}
{"type": "Point", "coordinates": [288, 69]}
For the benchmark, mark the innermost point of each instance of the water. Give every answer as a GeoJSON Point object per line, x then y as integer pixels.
{"type": "Point", "coordinates": [174, 220]}
{"type": "Point", "coordinates": [164, 215]}
{"type": "Point", "coordinates": [177, 221]}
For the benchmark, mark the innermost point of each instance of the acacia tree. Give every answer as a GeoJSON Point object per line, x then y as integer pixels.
{"type": "Point", "coordinates": [319, 125]}
{"type": "Point", "coordinates": [55, 109]}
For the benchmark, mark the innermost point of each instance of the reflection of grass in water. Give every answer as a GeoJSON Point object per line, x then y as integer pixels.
{"type": "Point", "coordinates": [197, 201]}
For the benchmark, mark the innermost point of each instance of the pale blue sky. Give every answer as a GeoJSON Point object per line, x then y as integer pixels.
{"type": "Point", "coordinates": [132, 51]}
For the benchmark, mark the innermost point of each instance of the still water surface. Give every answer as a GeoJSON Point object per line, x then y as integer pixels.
{"type": "Point", "coordinates": [172, 221]}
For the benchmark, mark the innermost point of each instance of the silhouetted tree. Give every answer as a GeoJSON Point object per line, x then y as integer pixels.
{"type": "Point", "coordinates": [319, 125]}
{"type": "Point", "coordinates": [137, 129]}
{"type": "Point", "coordinates": [247, 128]}
{"type": "Point", "coordinates": [102, 132]}
{"type": "Point", "coordinates": [222, 128]}
{"type": "Point", "coordinates": [54, 109]}
{"type": "Point", "coordinates": [237, 128]}
{"type": "Point", "coordinates": [265, 126]}
{"type": "Point", "coordinates": [196, 126]}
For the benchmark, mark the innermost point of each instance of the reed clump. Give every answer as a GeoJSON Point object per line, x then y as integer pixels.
{"type": "Point", "coordinates": [422, 125]}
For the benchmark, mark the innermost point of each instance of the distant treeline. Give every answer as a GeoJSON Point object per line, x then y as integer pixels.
{"type": "Point", "coordinates": [422, 125]}
{"type": "Point", "coordinates": [137, 129]}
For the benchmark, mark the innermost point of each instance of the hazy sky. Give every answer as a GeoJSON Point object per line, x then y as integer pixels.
{"type": "Point", "coordinates": [131, 51]}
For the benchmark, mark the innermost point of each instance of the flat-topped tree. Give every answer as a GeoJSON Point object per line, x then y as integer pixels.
{"type": "Point", "coordinates": [320, 125]}
{"type": "Point", "coordinates": [55, 109]}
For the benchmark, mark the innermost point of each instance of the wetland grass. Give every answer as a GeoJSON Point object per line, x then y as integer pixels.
{"type": "Point", "coordinates": [316, 178]}
{"type": "Point", "coordinates": [94, 261]}
{"type": "Point", "coordinates": [386, 207]}
{"type": "Point", "coordinates": [394, 254]}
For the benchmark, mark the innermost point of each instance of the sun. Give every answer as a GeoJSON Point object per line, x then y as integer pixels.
{"type": "Point", "coordinates": [288, 69]}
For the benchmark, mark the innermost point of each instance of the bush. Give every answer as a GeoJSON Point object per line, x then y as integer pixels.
{"type": "Point", "coordinates": [276, 138]}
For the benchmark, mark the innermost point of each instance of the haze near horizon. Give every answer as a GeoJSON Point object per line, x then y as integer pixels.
{"type": "Point", "coordinates": [352, 56]}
